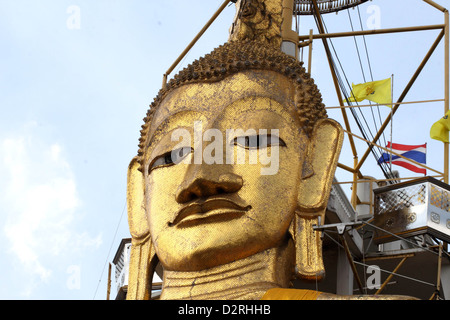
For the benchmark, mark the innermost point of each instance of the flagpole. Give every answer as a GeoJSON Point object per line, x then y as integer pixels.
{"type": "Point", "coordinates": [392, 120]}
{"type": "Point", "coordinates": [426, 150]}
{"type": "Point", "coordinates": [446, 90]}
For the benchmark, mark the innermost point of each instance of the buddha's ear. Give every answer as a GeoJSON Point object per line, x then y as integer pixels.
{"type": "Point", "coordinates": [137, 216]}
{"type": "Point", "coordinates": [317, 177]}
{"type": "Point", "coordinates": [143, 259]}
{"type": "Point", "coordinates": [321, 161]}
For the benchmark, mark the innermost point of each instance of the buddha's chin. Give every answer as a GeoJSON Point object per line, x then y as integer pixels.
{"type": "Point", "coordinates": [200, 258]}
{"type": "Point", "coordinates": [213, 252]}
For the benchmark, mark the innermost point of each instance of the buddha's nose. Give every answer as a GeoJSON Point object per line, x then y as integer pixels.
{"type": "Point", "coordinates": [205, 180]}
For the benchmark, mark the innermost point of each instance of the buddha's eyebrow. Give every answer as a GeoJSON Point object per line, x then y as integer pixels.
{"type": "Point", "coordinates": [275, 106]}
{"type": "Point", "coordinates": [170, 123]}
{"type": "Point", "coordinates": [286, 118]}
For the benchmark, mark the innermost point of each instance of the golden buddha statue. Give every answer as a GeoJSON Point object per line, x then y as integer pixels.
{"type": "Point", "coordinates": [235, 164]}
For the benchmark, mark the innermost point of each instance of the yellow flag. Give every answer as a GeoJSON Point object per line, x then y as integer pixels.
{"type": "Point", "coordinates": [439, 130]}
{"type": "Point", "coordinates": [377, 91]}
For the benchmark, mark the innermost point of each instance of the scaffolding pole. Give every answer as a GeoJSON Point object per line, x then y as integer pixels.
{"type": "Point", "coordinates": [341, 101]}
{"type": "Point", "coordinates": [371, 32]}
{"type": "Point", "coordinates": [447, 78]}
{"type": "Point", "coordinates": [194, 41]}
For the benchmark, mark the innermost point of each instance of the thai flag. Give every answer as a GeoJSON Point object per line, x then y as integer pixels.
{"type": "Point", "coordinates": [417, 153]}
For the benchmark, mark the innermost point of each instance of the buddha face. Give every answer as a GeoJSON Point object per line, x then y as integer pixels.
{"type": "Point", "coordinates": [204, 213]}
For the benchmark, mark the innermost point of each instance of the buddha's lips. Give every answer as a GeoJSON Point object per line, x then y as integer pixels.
{"type": "Point", "coordinates": [203, 207]}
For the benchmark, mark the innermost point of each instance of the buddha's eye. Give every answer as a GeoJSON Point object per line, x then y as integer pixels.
{"type": "Point", "coordinates": [170, 158]}
{"type": "Point", "coordinates": [258, 141]}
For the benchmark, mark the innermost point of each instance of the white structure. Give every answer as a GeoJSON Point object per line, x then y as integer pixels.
{"type": "Point", "coordinates": [121, 263]}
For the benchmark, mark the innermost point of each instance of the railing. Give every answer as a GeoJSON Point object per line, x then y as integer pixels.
{"type": "Point", "coordinates": [305, 7]}
{"type": "Point", "coordinates": [413, 208]}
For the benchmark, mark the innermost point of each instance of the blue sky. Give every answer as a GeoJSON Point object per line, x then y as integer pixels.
{"type": "Point", "coordinates": [76, 79]}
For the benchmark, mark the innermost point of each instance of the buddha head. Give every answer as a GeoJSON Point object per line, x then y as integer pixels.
{"type": "Point", "coordinates": [236, 156]}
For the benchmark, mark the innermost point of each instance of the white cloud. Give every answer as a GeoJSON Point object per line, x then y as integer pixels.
{"type": "Point", "coordinates": [41, 205]}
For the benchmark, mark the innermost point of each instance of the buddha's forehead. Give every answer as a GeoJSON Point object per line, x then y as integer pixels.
{"type": "Point", "coordinates": [210, 99]}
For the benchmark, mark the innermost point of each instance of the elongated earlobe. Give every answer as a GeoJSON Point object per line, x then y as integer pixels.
{"type": "Point", "coordinates": [314, 191]}
{"type": "Point", "coordinates": [308, 248]}
{"type": "Point", "coordinates": [143, 259]}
